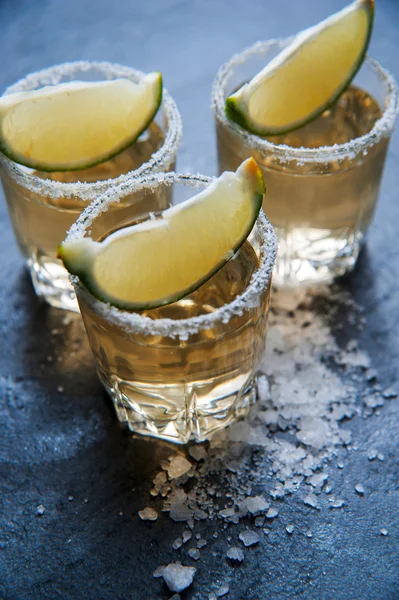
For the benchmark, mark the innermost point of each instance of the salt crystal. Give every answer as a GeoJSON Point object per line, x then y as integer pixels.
{"type": "Point", "coordinates": [227, 512]}
{"type": "Point", "coordinates": [359, 489]}
{"type": "Point", "coordinates": [70, 498]}
{"type": "Point", "coordinates": [249, 538]}
{"type": "Point", "coordinates": [175, 597]}
{"type": "Point", "coordinates": [187, 535]}
{"type": "Point", "coordinates": [310, 500]}
{"type": "Point", "coordinates": [223, 590]}
{"type": "Point", "coordinates": [177, 543]}
{"type": "Point", "coordinates": [197, 452]}
{"type": "Point", "coordinates": [148, 514]}
{"type": "Point", "coordinates": [390, 392]}
{"type": "Point", "coordinates": [290, 529]}
{"type": "Point", "coordinates": [372, 454]}
{"type": "Point", "coordinates": [178, 466]}
{"type": "Point", "coordinates": [212, 596]}
{"type": "Point", "coordinates": [60, 389]}
{"type": "Point", "coordinates": [201, 543]}
{"type": "Point", "coordinates": [318, 479]}
{"type": "Point", "coordinates": [336, 503]}
{"type": "Point", "coordinates": [384, 531]}
{"type": "Point", "coordinates": [194, 553]}
{"type": "Point", "coordinates": [259, 521]}
{"type": "Point", "coordinates": [380, 457]}
{"type": "Point", "coordinates": [178, 577]}
{"type": "Point", "coordinates": [272, 513]}
{"type": "Point", "coordinates": [266, 531]}
{"type": "Point", "coordinates": [374, 400]}
{"type": "Point", "coordinates": [40, 510]}
{"type": "Point", "coordinates": [180, 512]}
{"type": "Point", "coordinates": [256, 504]}
{"type": "Point", "coordinates": [313, 432]}
{"type": "Point", "coordinates": [309, 534]}
{"type": "Point", "coordinates": [159, 571]}
{"type": "Point", "coordinates": [235, 554]}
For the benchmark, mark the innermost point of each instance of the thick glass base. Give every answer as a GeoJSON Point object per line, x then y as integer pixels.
{"type": "Point", "coordinates": [308, 256]}
{"type": "Point", "coordinates": [51, 282]}
{"type": "Point", "coordinates": [181, 412]}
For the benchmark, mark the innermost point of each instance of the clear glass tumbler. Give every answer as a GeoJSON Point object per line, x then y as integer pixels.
{"type": "Point", "coordinates": [187, 369]}
{"type": "Point", "coordinates": [322, 180]}
{"type": "Point", "coordinates": [42, 206]}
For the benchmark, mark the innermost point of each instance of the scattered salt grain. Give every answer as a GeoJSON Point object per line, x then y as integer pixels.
{"type": "Point", "coordinates": [235, 554]}
{"type": "Point", "coordinates": [380, 457]}
{"type": "Point", "coordinates": [187, 535]}
{"type": "Point", "coordinates": [390, 393]}
{"type": "Point", "coordinates": [311, 500]}
{"type": "Point", "coordinates": [318, 479]}
{"type": "Point", "coordinates": [197, 452]}
{"type": "Point", "coordinates": [336, 503]}
{"type": "Point", "coordinates": [256, 504]}
{"type": "Point", "coordinates": [359, 489]}
{"type": "Point", "coordinates": [290, 529]}
{"type": "Point", "coordinates": [148, 514]}
{"type": "Point", "coordinates": [178, 543]}
{"type": "Point", "coordinates": [223, 590]}
{"type": "Point", "coordinates": [40, 510]}
{"type": "Point", "coordinates": [178, 577]}
{"type": "Point", "coordinates": [384, 531]}
{"type": "Point", "coordinates": [180, 512]}
{"type": "Point", "coordinates": [372, 454]}
{"type": "Point", "coordinates": [201, 543]}
{"type": "Point", "coordinates": [194, 553]}
{"type": "Point", "coordinates": [249, 538]}
{"type": "Point", "coordinates": [259, 521]}
{"type": "Point", "coordinates": [178, 466]}
{"type": "Point", "coordinates": [272, 513]}
{"type": "Point", "coordinates": [159, 571]}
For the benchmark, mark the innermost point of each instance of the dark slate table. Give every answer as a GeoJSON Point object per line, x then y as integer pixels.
{"type": "Point", "coordinates": [56, 443]}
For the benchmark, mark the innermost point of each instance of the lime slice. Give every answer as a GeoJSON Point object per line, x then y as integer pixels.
{"type": "Point", "coordinates": [308, 76]}
{"type": "Point", "coordinates": [161, 260]}
{"type": "Point", "coordinates": [76, 125]}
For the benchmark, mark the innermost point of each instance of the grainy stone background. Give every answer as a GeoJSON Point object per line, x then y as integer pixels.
{"type": "Point", "coordinates": [56, 443]}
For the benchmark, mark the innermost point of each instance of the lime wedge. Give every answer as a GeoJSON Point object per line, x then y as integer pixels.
{"type": "Point", "coordinates": [76, 125]}
{"type": "Point", "coordinates": [161, 260]}
{"type": "Point", "coordinates": [308, 76]}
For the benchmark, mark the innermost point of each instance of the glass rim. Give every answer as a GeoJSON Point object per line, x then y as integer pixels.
{"type": "Point", "coordinates": [132, 322]}
{"type": "Point", "coordinates": [383, 127]}
{"type": "Point", "coordinates": [162, 159]}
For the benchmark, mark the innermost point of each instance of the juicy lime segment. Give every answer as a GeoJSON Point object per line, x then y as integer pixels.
{"type": "Point", "coordinates": [76, 125]}
{"type": "Point", "coordinates": [308, 76]}
{"type": "Point", "coordinates": [159, 261]}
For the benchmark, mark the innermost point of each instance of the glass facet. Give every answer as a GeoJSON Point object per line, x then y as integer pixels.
{"type": "Point", "coordinates": [187, 369]}
{"type": "Point", "coordinates": [322, 180]}
{"type": "Point", "coordinates": [43, 206]}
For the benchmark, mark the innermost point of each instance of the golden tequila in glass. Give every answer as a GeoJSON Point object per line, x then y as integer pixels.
{"type": "Point", "coordinates": [43, 206]}
{"type": "Point", "coordinates": [187, 369]}
{"type": "Point", "coordinates": [323, 179]}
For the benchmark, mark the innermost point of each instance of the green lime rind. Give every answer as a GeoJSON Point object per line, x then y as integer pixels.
{"type": "Point", "coordinates": [236, 111]}
{"type": "Point", "coordinates": [77, 267]}
{"type": "Point", "coordinates": [45, 167]}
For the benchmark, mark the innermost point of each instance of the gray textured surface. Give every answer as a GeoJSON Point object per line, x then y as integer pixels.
{"type": "Point", "coordinates": [56, 444]}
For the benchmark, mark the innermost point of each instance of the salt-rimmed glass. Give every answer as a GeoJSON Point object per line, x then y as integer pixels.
{"type": "Point", "coordinates": [188, 369]}
{"type": "Point", "coordinates": [320, 200]}
{"type": "Point", "coordinates": [43, 206]}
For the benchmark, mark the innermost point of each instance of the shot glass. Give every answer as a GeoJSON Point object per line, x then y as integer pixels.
{"type": "Point", "coordinates": [190, 368]}
{"type": "Point", "coordinates": [322, 180]}
{"type": "Point", "coordinates": [43, 206]}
